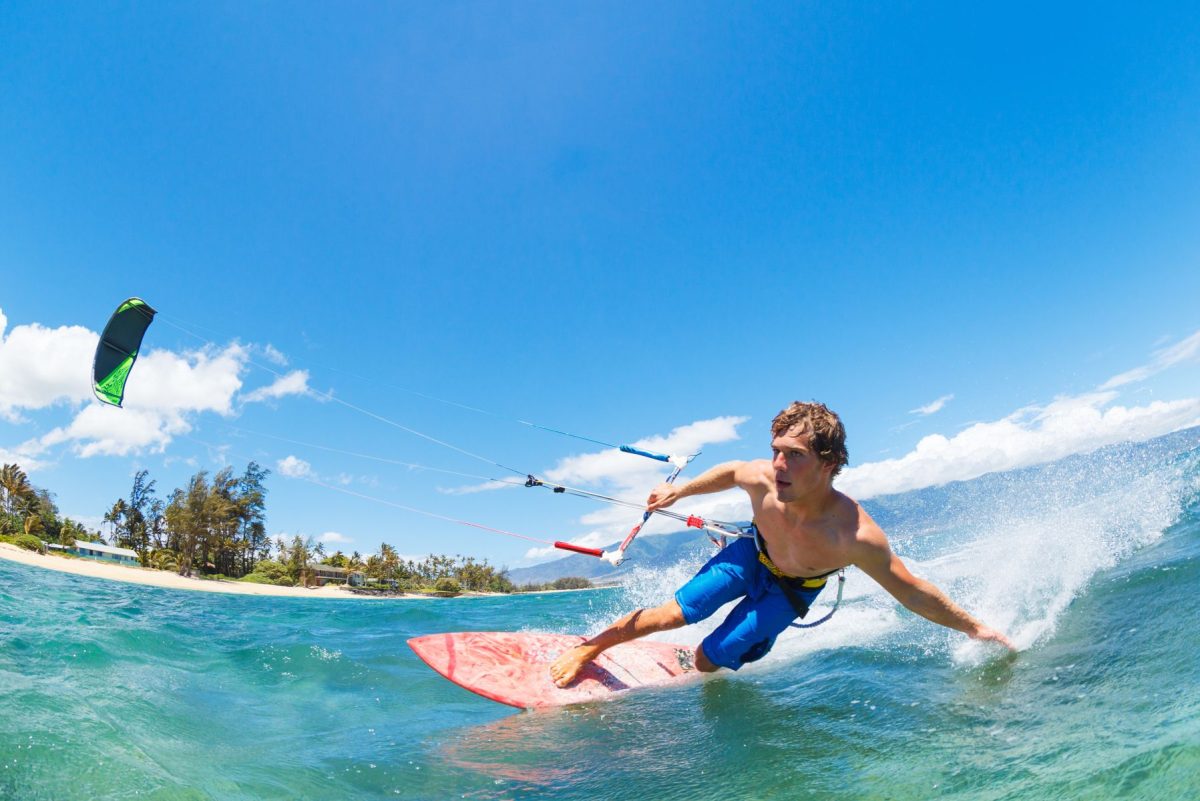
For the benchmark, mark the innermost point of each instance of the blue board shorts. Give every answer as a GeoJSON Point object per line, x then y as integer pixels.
{"type": "Point", "coordinates": [750, 630]}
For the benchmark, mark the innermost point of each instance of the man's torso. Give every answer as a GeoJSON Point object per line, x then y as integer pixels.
{"type": "Point", "coordinates": [813, 546]}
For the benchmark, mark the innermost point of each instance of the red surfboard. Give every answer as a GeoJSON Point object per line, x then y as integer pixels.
{"type": "Point", "coordinates": [514, 667]}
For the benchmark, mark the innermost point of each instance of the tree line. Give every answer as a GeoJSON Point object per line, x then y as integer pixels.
{"type": "Point", "coordinates": [217, 526]}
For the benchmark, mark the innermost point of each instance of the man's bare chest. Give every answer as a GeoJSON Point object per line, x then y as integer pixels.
{"type": "Point", "coordinates": [802, 550]}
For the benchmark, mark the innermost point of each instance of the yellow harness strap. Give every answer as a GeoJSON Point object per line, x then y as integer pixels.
{"type": "Point", "coordinates": [806, 583]}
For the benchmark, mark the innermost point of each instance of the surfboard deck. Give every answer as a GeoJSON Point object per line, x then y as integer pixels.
{"type": "Point", "coordinates": [514, 667]}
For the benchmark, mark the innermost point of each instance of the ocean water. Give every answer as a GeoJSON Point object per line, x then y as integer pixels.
{"type": "Point", "coordinates": [115, 691]}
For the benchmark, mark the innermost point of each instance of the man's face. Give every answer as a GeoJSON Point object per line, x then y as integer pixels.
{"type": "Point", "coordinates": [798, 469]}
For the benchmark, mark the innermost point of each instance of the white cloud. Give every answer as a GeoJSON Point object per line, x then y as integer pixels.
{"type": "Point", "coordinates": [934, 407]}
{"type": "Point", "coordinates": [294, 383]}
{"type": "Point", "coordinates": [1035, 434]}
{"type": "Point", "coordinates": [195, 381]}
{"type": "Point", "coordinates": [106, 430]}
{"type": "Point", "coordinates": [631, 478]}
{"type": "Point", "coordinates": [274, 355]}
{"type": "Point", "coordinates": [1029, 436]}
{"type": "Point", "coordinates": [163, 391]}
{"type": "Point", "coordinates": [534, 555]}
{"type": "Point", "coordinates": [614, 468]}
{"type": "Point", "coordinates": [486, 486]}
{"type": "Point", "coordinates": [334, 537]}
{"type": "Point", "coordinates": [294, 467]}
{"type": "Point", "coordinates": [23, 455]}
{"type": "Point", "coordinates": [1179, 353]}
{"type": "Point", "coordinates": [41, 366]}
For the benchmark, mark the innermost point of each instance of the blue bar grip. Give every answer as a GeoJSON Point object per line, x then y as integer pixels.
{"type": "Point", "coordinates": [658, 456]}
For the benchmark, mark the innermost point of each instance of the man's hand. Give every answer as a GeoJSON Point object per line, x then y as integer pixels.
{"type": "Point", "coordinates": [988, 634]}
{"type": "Point", "coordinates": [661, 497]}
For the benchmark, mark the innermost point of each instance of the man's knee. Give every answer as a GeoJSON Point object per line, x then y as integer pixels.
{"type": "Point", "coordinates": [703, 664]}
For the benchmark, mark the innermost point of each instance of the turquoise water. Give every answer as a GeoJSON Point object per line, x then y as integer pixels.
{"type": "Point", "coordinates": [115, 691]}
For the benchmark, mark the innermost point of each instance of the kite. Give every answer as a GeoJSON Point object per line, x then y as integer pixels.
{"type": "Point", "coordinates": [118, 349]}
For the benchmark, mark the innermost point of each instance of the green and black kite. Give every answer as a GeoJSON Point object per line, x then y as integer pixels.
{"type": "Point", "coordinates": [118, 349]}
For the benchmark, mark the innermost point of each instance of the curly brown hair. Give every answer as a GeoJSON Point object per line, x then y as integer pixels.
{"type": "Point", "coordinates": [828, 435]}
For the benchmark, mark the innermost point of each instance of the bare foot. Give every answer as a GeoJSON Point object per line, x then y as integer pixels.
{"type": "Point", "coordinates": [564, 669]}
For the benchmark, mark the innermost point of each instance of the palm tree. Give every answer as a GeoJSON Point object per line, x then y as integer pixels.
{"type": "Point", "coordinates": [70, 532]}
{"type": "Point", "coordinates": [17, 495]}
{"type": "Point", "coordinates": [298, 557]}
{"type": "Point", "coordinates": [117, 515]}
{"type": "Point", "coordinates": [164, 559]}
{"type": "Point", "coordinates": [34, 526]}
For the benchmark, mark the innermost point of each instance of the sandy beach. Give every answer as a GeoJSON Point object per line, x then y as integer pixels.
{"type": "Point", "coordinates": [174, 581]}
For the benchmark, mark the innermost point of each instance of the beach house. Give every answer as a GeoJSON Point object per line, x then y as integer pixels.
{"type": "Point", "coordinates": [324, 574]}
{"type": "Point", "coordinates": [104, 553]}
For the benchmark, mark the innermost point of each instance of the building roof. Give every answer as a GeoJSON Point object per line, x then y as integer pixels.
{"type": "Point", "coordinates": [102, 548]}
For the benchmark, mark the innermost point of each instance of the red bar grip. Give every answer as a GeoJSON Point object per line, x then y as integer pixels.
{"type": "Point", "coordinates": [695, 522]}
{"type": "Point", "coordinates": [566, 546]}
{"type": "Point", "coordinates": [629, 538]}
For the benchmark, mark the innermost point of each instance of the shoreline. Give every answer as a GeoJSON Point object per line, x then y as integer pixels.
{"type": "Point", "coordinates": [165, 579]}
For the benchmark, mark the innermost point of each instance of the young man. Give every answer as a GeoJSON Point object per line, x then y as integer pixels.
{"type": "Point", "coordinates": [806, 531]}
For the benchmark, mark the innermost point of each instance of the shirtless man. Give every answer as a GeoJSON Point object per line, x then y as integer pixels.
{"type": "Point", "coordinates": [805, 527]}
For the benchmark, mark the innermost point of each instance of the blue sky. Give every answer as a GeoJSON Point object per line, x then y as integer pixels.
{"type": "Point", "coordinates": [614, 219]}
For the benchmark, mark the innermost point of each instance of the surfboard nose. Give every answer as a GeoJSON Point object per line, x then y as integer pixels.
{"type": "Point", "coordinates": [435, 650]}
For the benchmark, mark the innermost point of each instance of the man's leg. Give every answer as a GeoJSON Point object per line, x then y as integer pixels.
{"type": "Point", "coordinates": [721, 580]}
{"type": "Point", "coordinates": [637, 623]}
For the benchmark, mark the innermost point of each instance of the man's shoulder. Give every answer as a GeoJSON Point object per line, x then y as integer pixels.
{"type": "Point", "coordinates": [865, 531]}
{"type": "Point", "coordinates": [753, 471]}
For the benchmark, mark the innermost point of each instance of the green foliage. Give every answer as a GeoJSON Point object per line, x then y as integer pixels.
{"type": "Point", "coordinates": [72, 531]}
{"type": "Point", "coordinates": [218, 525]}
{"type": "Point", "coordinates": [34, 527]}
{"type": "Point", "coordinates": [447, 585]}
{"type": "Point", "coordinates": [572, 583]}
{"type": "Point", "coordinates": [269, 571]}
{"type": "Point", "coordinates": [28, 542]}
{"type": "Point", "coordinates": [568, 583]}
{"type": "Point", "coordinates": [164, 559]}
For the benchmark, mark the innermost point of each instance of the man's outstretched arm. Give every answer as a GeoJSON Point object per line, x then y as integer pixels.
{"type": "Point", "coordinates": [876, 559]}
{"type": "Point", "coordinates": [716, 479]}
